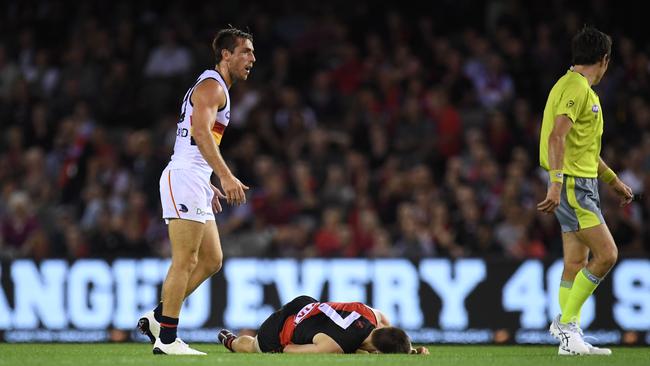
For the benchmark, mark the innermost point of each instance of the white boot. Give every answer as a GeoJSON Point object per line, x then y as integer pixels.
{"type": "Point", "coordinates": [571, 341]}
{"type": "Point", "coordinates": [555, 331]}
{"type": "Point", "coordinates": [149, 326]}
{"type": "Point", "coordinates": [178, 347]}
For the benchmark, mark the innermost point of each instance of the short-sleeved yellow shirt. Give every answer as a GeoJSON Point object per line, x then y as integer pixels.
{"type": "Point", "coordinates": [572, 96]}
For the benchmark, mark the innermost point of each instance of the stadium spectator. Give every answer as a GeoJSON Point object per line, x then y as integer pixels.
{"type": "Point", "coordinates": [419, 129]}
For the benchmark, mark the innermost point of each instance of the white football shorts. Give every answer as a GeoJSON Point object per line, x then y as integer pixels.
{"type": "Point", "coordinates": [185, 194]}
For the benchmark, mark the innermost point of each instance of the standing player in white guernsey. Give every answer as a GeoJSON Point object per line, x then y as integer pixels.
{"type": "Point", "coordinates": [188, 198]}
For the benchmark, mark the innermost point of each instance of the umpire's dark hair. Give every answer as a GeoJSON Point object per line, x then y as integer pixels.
{"type": "Point", "coordinates": [589, 46]}
{"type": "Point", "coordinates": [391, 340]}
{"type": "Point", "coordinates": [226, 39]}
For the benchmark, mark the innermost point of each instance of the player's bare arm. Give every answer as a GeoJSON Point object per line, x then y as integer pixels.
{"type": "Point", "coordinates": [420, 351]}
{"type": "Point", "coordinates": [207, 98]}
{"type": "Point", "coordinates": [322, 344]}
{"type": "Point", "coordinates": [382, 319]}
{"type": "Point", "coordinates": [216, 200]}
{"type": "Point", "coordinates": [556, 141]}
{"type": "Point", "coordinates": [607, 175]}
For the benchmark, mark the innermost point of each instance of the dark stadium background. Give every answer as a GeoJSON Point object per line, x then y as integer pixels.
{"type": "Point", "coordinates": [367, 131]}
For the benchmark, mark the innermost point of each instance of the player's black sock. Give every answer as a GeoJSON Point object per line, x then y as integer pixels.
{"type": "Point", "coordinates": [168, 328]}
{"type": "Point", "coordinates": [157, 312]}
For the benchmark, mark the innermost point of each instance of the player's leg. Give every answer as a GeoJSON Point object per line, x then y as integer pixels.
{"type": "Point", "coordinates": [267, 339]}
{"type": "Point", "coordinates": [184, 195]}
{"type": "Point", "coordinates": [604, 256]}
{"type": "Point", "coordinates": [582, 195]}
{"type": "Point", "coordinates": [572, 217]}
{"type": "Point", "coordinates": [185, 237]}
{"type": "Point", "coordinates": [209, 259]}
{"type": "Point", "coordinates": [603, 249]}
{"type": "Point", "coordinates": [576, 256]}
{"type": "Point", "coordinates": [209, 262]}
{"type": "Point", "coordinates": [575, 253]}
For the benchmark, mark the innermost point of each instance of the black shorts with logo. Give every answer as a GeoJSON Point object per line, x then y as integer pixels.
{"type": "Point", "coordinates": [268, 336]}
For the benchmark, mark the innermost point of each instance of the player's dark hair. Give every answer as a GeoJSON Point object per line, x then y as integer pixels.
{"type": "Point", "coordinates": [589, 46]}
{"type": "Point", "coordinates": [391, 340]}
{"type": "Point", "coordinates": [226, 39]}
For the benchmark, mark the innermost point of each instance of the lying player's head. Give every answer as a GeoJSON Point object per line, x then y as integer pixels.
{"type": "Point", "coordinates": [234, 48]}
{"type": "Point", "coordinates": [390, 340]}
{"type": "Point", "coordinates": [592, 47]}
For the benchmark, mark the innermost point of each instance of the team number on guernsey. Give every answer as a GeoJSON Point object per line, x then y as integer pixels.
{"type": "Point", "coordinates": [344, 323]}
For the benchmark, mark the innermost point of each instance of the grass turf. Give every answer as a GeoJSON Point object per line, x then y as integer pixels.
{"type": "Point", "coordinates": [140, 354]}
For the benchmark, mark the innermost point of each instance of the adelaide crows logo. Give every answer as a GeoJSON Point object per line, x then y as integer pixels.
{"type": "Point", "coordinates": [182, 208]}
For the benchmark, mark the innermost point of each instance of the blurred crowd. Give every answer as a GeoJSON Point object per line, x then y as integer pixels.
{"type": "Point", "coordinates": [363, 131]}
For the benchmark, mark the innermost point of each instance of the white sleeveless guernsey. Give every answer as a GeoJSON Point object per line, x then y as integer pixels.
{"type": "Point", "coordinates": [186, 153]}
{"type": "Point", "coordinates": [185, 189]}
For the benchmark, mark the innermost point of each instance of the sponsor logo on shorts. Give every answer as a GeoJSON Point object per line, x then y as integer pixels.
{"type": "Point", "coordinates": [183, 208]}
{"type": "Point", "coordinates": [201, 212]}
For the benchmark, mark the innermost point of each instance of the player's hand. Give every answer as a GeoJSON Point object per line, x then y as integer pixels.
{"type": "Point", "coordinates": [420, 351]}
{"type": "Point", "coordinates": [622, 190]}
{"type": "Point", "coordinates": [552, 199]}
{"type": "Point", "coordinates": [234, 190]}
{"type": "Point", "coordinates": [218, 195]}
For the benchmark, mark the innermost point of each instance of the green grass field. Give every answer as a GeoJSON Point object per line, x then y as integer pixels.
{"type": "Point", "coordinates": [140, 354]}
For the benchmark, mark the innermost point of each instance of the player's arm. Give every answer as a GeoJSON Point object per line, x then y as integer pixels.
{"type": "Point", "coordinates": [207, 98]}
{"type": "Point", "coordinates": [419, 351]}
{"type": "Point", "coordinates": [322, 344]}
{"type": "Point", "coordinates": [607, 175]}
{"type": "Point", "coordinates": [382, 319]}
{"type": "Point", "coordinates": [556, 141]}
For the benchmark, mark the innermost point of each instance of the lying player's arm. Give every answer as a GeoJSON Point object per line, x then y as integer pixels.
{"type": "Point", "coordinates": [382, 319]}
{"type": "Point", "coordinates": [322, 344]}
{"type": "Point", "coordinates": [420, 351]}
{"type": "Point", "coordinates": [207, 98]}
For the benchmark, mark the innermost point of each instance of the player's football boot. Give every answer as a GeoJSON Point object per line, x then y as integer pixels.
{"type": "Point", "coordinates": [226, 337]}
{"type": "Point", "coordinates": [554, 329]}
{"type": "Point", "coordinates": [149, 326]}
{"type": "Point", "coordinates": [597, 351]}
{"type": "Point", "coordinates": [178, 347]}
{"type": "Point", "coordinates": [571, 341]}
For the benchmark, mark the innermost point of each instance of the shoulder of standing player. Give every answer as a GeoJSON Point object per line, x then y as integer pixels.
{"type": "Point", "coordinates": [209, 93]}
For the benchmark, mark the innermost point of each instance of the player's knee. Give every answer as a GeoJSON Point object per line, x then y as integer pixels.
{"type": "Point", "coordinates": [214, 265]}
{"type": "Point", "coordinates": [573, 266]}
{"type": "Point", "coordinates": [609, 258]}
{"type": "Point", "coordinates": [185, 264]}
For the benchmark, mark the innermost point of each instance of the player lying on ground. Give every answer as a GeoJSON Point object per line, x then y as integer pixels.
{"type": "Point", "coordinates": [305, 325]}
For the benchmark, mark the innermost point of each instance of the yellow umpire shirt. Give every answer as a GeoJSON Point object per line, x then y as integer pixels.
{"type": "Point", "coordinates": [572, 96]}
